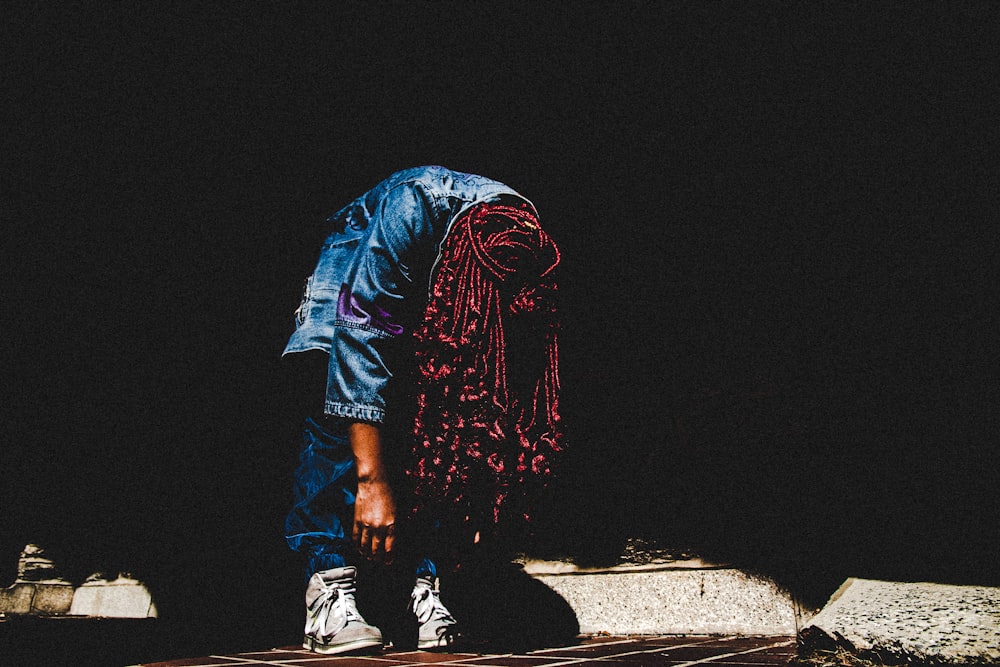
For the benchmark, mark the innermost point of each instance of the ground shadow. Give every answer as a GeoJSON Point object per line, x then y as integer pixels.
{"type": "Point", "coordinates": [501, 608]}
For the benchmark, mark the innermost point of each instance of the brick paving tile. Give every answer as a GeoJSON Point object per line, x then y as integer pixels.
{"type": "Point", "coordinates": [201, 662]}
{"type": "Point", "coordinates": [612, 648]}
{"type": "Point", "coordinates": [209, 661]}
{"type": "Point", "coordinates": [291, 653]}
{"type": "Point", "coordinates": [682, 653]}
{"type": "Point", "coordinates": [644, 658]}
{"type": "Point", "coordinates": [664, 651]}
{"type": "Point", "coordinates": [277, 654]}
{"type": "Point", "coordinates": [766, 653]}
{"type": "Point", "coordinates": [686, 653]}
{"type": "Point", "coordinates": [513, 661]}
{"type": "Point", "coordinates": [645, 661]}
{"type": "Point", "coordinates": [431, 657]}
{"type": "Point", "coordinates": [756, 661]}
{"type": "Point", "coordinates": [744, 643]}
{"type": "Point", "coordinates": [710, 653]}
{"type": "Point", "coordinates": [318, 660]}
{"type": "Point", "coordinates": [760, 659]}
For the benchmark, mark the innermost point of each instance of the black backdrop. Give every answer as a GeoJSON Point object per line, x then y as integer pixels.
{"type": "Point", "coordinates": [779, 284]}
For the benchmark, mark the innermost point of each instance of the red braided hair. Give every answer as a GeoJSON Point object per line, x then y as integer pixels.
{"type": "Point", "coordinates": [488, 432]}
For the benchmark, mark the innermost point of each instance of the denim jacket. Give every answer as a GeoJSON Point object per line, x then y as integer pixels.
{"type": "Point", "coordinates": [372, 278]}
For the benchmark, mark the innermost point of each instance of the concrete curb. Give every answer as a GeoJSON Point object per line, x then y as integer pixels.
{"type": "Point", "coordinates": [36, 597]}
{"type": "Point", "coordinates": [39, 591]}
{"type": "Point", "coordinates": [922, 623]}
{"type": "Point", "coordinates": [121, 598]}
{"type": "Point", "coordinates": [683, 597]}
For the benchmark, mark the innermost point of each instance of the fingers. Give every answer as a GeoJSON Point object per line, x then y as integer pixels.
{"type": "Point", "coordinates": [375, 542]}
{"type": "Point", "coordinates": [378, 545]}
{"type": "Point", "coordinates": [362, 538]}
{"type": "Point", "coordinates": [390, 543]}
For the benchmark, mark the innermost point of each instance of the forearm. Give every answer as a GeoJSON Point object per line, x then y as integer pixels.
{"type": "Point", "coordinates": [374, 506]}
{"type": "Point", "coordinates": [366, 444]}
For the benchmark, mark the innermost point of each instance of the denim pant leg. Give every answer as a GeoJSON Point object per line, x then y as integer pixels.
{"type": "Point", "coordinates": [320, 522]}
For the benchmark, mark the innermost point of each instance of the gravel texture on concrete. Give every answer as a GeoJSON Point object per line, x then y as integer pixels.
{"type": "Point", "coordinates": [909, 622]}
{"type": "Point", "coordinates": [686, 598]}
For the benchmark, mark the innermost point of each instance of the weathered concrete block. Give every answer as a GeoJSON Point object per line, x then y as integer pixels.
{"type": "Point", "coordinates": [16, 599]}
{"type": "Point", "coordinates": [52, 598]}
{"type": "Point", "coordinates": [924, 623]}
{"type": "Point", "coordinates": [121, 598]}
{"type": "Point", "coordinates": [686, 598]}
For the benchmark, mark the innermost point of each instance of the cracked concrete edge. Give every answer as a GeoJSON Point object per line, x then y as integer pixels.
{"type": "Point", "coordinates": [537, 567]}
{"type": "Point", "coordinates": [121, 598]}
{"type": "Point", "coordinates": [685, 598]}
{"type": "Point", "coordinates": [908, 622]}
{"type": "Point", "coordinates": [43, 598]}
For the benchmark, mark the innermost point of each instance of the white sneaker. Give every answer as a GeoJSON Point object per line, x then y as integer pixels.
{"type": "Point", "coordinates": [333, 624]}
{"type": "Point", "coordinates": [437, 626]}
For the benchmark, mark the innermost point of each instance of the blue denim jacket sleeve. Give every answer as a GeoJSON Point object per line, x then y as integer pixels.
{"type": "Point", "coordinates": [400, 229]}
{"type": "Point", "coordinates": [381, 252]}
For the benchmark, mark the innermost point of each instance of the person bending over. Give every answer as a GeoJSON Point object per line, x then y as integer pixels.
{"type": "Point", "coordinates": [430, 321]}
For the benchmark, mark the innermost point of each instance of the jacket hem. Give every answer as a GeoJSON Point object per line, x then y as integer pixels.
{"type": "Point", "coordinates": [293, 349]}
{"type": "Point", "coordinates": [366, 413]}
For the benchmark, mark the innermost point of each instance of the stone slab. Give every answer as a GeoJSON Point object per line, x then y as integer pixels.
{"type": "Point", "coordinates": [916, 622]}
{"type": "Point", "coordinates": [52, 598]}
{"type": "Point", "coordinates": [16, 599]}
{"type": "Point", "coordinates": [121, 598]}
{"type": "Point", "coordinates": [686, 599]}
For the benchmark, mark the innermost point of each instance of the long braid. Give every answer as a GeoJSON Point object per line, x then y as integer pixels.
{"type": "Point", "coordinates": [488, 434]}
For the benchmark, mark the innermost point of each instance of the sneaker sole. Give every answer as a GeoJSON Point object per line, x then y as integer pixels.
{"type": "Point", "coordinates": [438, 642]}
{"type": "Point", "coordinates": [329, 649]}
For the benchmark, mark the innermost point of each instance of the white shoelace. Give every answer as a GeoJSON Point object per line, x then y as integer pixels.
{"type": "Point", "coordinates": [337, 602]}
{"type": "Point", "coordinates": [426, 605]}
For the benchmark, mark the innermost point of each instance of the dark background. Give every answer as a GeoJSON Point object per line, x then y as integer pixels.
{"type": "Point", "coordinates": [779, 283]}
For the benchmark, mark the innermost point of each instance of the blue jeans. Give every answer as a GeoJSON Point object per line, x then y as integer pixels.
{"type": "Point", "coordinates": [321, 520]}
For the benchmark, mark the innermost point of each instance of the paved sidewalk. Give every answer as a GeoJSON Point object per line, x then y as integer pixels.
{"type": "Point", "coordinates": [674, 651]}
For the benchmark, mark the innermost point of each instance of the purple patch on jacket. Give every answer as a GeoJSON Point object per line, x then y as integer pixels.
{"type": "Point", "coordinates": [350, 309]}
